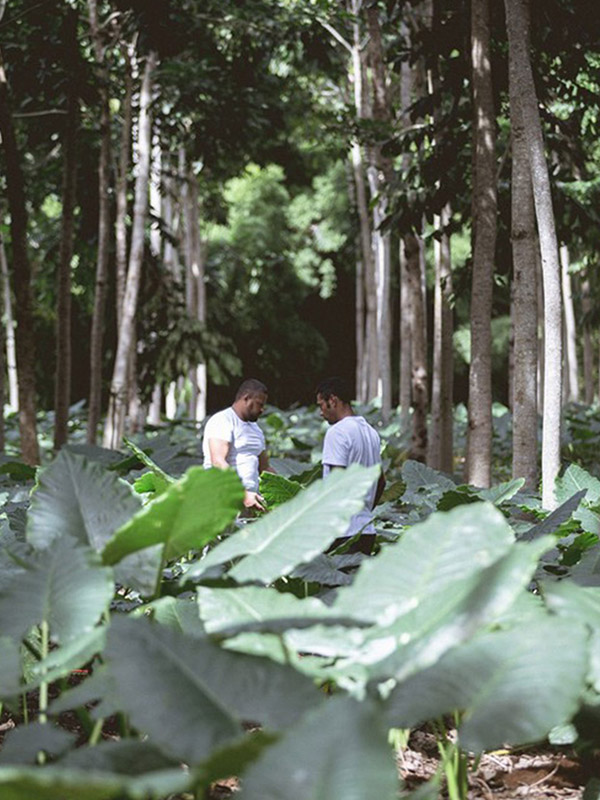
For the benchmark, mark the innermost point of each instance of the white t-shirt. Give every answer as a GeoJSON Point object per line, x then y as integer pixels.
{"type": "Point", "coordinates": [246, 442]}
{"type": "Point", "coordinates": [353, 441]}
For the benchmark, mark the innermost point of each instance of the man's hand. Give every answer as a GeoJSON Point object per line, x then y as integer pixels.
{"type": "Point", "coordinates": [254, 500]}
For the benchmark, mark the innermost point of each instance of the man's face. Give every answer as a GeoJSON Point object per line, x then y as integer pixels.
{"type": "Point", "coordinates": [254, 405]}
{"type": "Point", "coordinates": [328, 408]}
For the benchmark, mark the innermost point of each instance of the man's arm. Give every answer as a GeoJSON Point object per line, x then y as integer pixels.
{"type": "Point", "coordinates": [219, 450]}
{"type": "Point", "coordinates": [263, 463]}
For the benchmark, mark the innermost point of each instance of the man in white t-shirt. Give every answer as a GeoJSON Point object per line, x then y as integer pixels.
{"type": "Point", "coordinates": [232, 438]}
{"type": "Point", "coordinates": [350, 440]}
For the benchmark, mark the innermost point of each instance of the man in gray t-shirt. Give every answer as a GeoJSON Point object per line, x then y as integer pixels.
{"type": "Point", "coordinates": [232, 438]}
{"type": "Point", "coordinates": [350, 440]}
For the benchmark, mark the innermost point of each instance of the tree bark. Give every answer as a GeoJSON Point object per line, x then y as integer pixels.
{"type": "Point", "coordinates": [524, 303]}
{"type": "Point", "coordinates": [25, 339]}
{"type": "Point", "coordinates": [11, 355]}
{"type": "Point", "coordinates": [62, 389]}
{"type": "Point", "coordinates": [571, 393]}
{"type": "Point", "coordinates": [440, 442]}
{"type": "Point", "coordinates": [121, 184]}
{"type": "Point", "coordinates": [115, 421]}
{"type": "Point", "coordinates": [418, 450]}
{"type": "Point", "coordinates": [524, 88]}
{"type": "Point", "coordinates": [588, 349]}
{"type": "Point", "coordinates": [479, 436]}
{"type": "Point", "coordinates": [98, 314]}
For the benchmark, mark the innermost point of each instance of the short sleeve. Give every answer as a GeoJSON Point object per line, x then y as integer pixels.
{"type": "Point", "coordinates": [335, 448]}
{"type": "Point", "coordinates": [219, 427]}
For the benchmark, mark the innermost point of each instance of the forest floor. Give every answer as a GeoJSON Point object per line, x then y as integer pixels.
{"type": "Point", "coordinates": [536, 773]}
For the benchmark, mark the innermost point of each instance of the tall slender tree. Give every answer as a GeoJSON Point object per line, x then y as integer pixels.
{"type": "Point", "coordinates": [21, 270]}
{"type": "Point", "coordinates": [523, 88]}
{"type": "Point", "coordinates": [479, 437]}
{"type": "Point", "coordinates": [117, 409]}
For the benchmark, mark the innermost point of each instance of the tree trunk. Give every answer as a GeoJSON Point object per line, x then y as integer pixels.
{"type": "Point", "coordinates": [25, 339]}
{"type": "Point", "coordinates": [97, 332]}
{"type": "Point", "coordinates": [115, 422]}
{"type": "Point", "coordinates": [371, 351]}
{"type": "Point", "coordinates": [380, 174]}
{"type": "Point", "coordinates": [524, 88]}
{"type": "Point", "coordinates": [62, 389]}
{"type": "Point", "coordinates": [405, 367]}
{"type": "Point", "coordinates": [418, 450]}
{"type": "Point", "coordinates": [588, 350]}
{"type": "Point", "coordinates": [479, 436]}
{"type": "Point", "coordinates": [524, 303]}
{"type": "Point", "coordinates": [121, 185]}
{"type": "Point", "coordinates": [11, 356]}
{"type": "Point", "coordinates": [572, 367]}
{"type": "Point", "coordinates": [440, 443]}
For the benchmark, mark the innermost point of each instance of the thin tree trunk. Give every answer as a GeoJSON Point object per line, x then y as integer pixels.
{"type": "Point", "coordinates": [524, 87]}
{"type": "Point", "coordinates": [11, 355]}
{"type": "Point", "coordinates": [380, 175]}
{"type": "Point", "coordinates": [25, 339]}
{"type": "Point", "coordinates": [62, 388]}
{"type": "Point", "coordinates": [98, 314]}
{"type": "Point", "coordinates": [572, 367]}
{"type": "Point", "coordinates": [115, 422]}
{"type": "Point", "coordinates": [588, 350]}
{"type": "Point", "coordinates": [440, 444]}
{"type": "Point", "coordinates": [371, 352]}
{"type": "Point", "coordinates": [524, 304]}
{"type": "Point", "coordinates": [479, 436]}
{"type": "Point", "coordinates": [418, 450]}
{"type": "Point", "coordinates": [405, 366]}
{"type": "Point", "coordinates": [121, 184]}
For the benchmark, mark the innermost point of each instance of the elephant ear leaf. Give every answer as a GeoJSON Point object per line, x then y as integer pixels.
{"type": "Point", "coordinates": [64, 586]}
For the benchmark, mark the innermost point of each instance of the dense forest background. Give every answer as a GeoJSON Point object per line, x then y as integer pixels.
{"type": "Point", "coordinates": [392, 191]}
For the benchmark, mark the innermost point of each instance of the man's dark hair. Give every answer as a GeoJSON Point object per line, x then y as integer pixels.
{"type": "Point", "coordinates": [251, 386]}
{"type": "Point", "coordinates": [335, 386]}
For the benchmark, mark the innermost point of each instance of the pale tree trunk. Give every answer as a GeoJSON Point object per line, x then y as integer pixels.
{"type": "Point", "coordinates": [171, 258]}
{"type": "Point", "coordinates": [524, 304]}
{"type": "Point", "coordinates": [98, 314]}
{"type": "Point", "coordinates": [418, 450]}
{"type": "Point", "coordinates": [405, 342]}
{"type": "Point", "coordinates": [156, 246]}
{"type": "Point", "coordinates": [359, 298]}
{"type": "Point", "coordinates": [115, 422]}
{"type": "Point", "coordinates": [62, 388]}
{"type": "Point", "coordinates": [572, 367]}
{"type": "Point", "coordinates": [440, 441]}
{"type": "Point", "coordinates": [479, 435]}
{"type": "Point", "coordinates": [588, 350]}
{"type": "Point", "coordinates": [524, 88]}
{"type": "Point", "coordinates": [121, 183]}
{"type": "Point", "coordinates": [11, 356]}
{"type": "Point", "coordinates": [371, 350]}
{"type": "Point", "coordinates": [541, 337]}
{"type": "Point", "coordinates": [195, 291]}
{"type": "Point", "coordinates": [405, 366]}
{"type": "Point", "coordinates": [25, 340]}
{"type": "Point", "coordinates": [380, 174]}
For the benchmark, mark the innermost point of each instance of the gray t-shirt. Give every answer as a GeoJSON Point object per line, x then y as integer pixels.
{"type": "Point", "coordinates": [353, 441]}
{"type": "Point", "coordinates": [246, 442]}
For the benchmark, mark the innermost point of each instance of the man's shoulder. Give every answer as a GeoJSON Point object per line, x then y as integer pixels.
{"type": "Point", "coordinates": [220, 418]}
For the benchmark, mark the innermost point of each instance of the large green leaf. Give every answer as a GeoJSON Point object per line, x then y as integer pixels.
{"type": "Point", "coordinates": [424, 484]}
{"type": "Point", "coordinates": [125, 757]}
{"type": "Point", "coordinates": [82, 499]}
{"type": "Point", "coordinates": [418, 638]}
{"type": "Point", "coordinates": [227, 611]}
{"type": "Point", "coordinates": [444, 550]}
{"type": "Point", "coordinates": [78, 498]}
{"type": "Point", "coordinates": [10, 667]}
{"type": "Point", "coordinates": [190, 696]}
{"type": "Point", "coordinates": [22, 745]}
{"type": "Point", "coordinates": [295, 532]}
{"type": "Point", "coordinates": [54, 782]}
{"type": "Point", "coordinates": [574, 480]}
{"type": "Point", "coordinates": [338, 751]}
{"type": "Point", "coordinates": [64, 585]}
{"type": "Point", "coordinates": [276, 489]}
{"type": "Point", "coordinates": [513, 686]}
{"type": "Point", "coordinates": [190, 513]}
